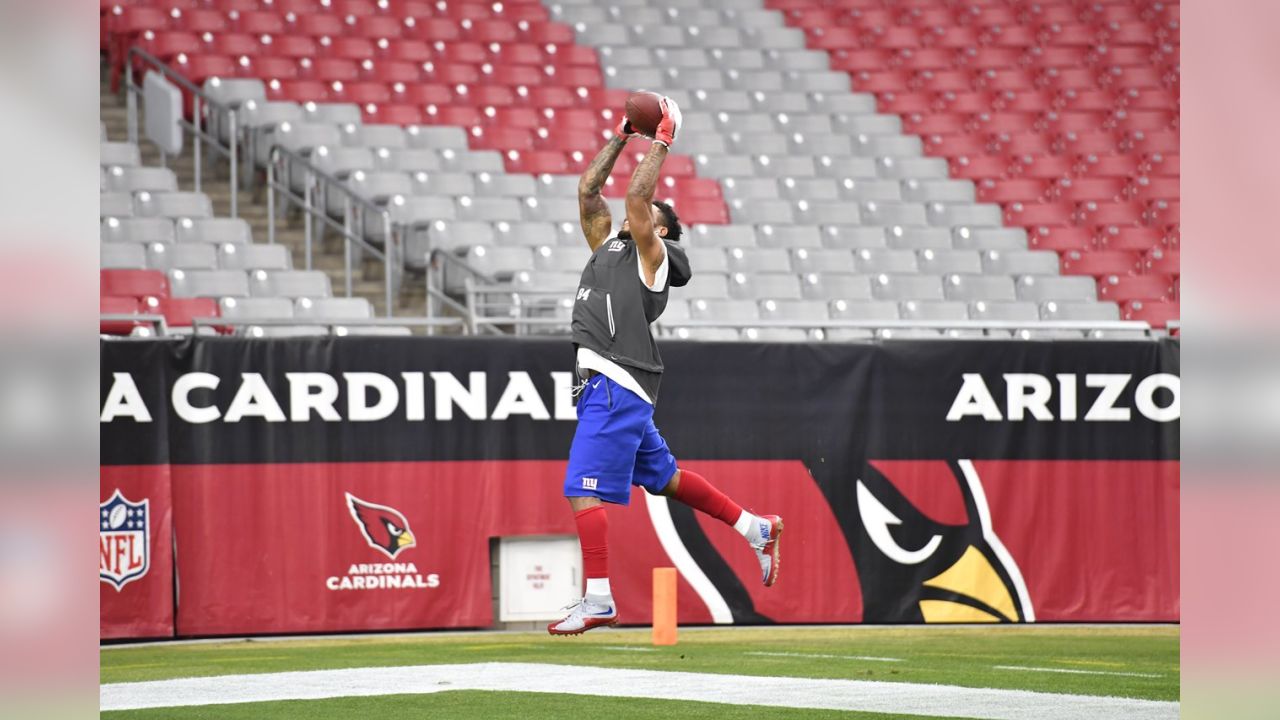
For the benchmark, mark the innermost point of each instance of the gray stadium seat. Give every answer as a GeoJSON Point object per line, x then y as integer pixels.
{"type": "Point", "coordinates": [863, 310]}
{"type": "Point", "coordinates": [1045, 287]}
{"type": "Point", "coordinates": [721, 236]}
{"type": "Point", "coordinates": [379, 187]}
{"type": "Point", "coordinates": [917, 238]}
{"type": "Point", "coordinates": [814, 189]}
{"type": "Point", "coordinates": [862, 189]}
{"type": "Point", "coordinates": [332, 113]}
{"type": "Point", "coordinates": [782, 166]}
{"type": "Point", "coordinates": [787, 236]}
{"type": "Point", "coordinates": [247, 308]}
{"type": "Point", "coordinates": [552, 258]}
{"type": "Point", "coordinates": [125, 255]}
{"type": "Point", "coordinates": [750, 260]}
{"type": "Point", "coordinates": [1085, 311]}
{"type": "Point", "coordinates": [721, 165]}
{"type": "Point", "coordinates": [235, 92]}
{"type": "Point", "coordinates": [908, 334]}
{"type": "Point", "coordinates": [551, 210]}
{"type": "Point", "coordinates": [299, 137]}
{"type": "Point", "coordinates": [723, 310]}
{"type": "Point", "coordinates": [123, 154]}
{"type": "Point", "coordinates": [1020, 262]}
{"type": "Point", "coordinates": [409, 160]}
{"type": "Point", "coordinates": [761, 211]}
{"type": "Point", "coordinates": [835, 286]}
{"type": "Point", "coordinates": [874, 261]}
{"type": "Point", "coordinates": [775, 334]}
{"type": "Point", "coordinates": [471, 161]}
{"type": "Point", "coordinates": [375, 136]}
{"type": "Point", "coordinates": [876, 212]}
{"type": "Point", "coordinates": [826, 213]}
{"type": "Point", "coordinates": [135, 179]}
{"type": "Point", "coordinates": [136, 230]}
{"type": "Point", "coordinates": [887, 286]}
{"type": "Point", "coordinates": [818, 260]}
{"type": "Point", "coordinates": [453, 234]}
{"type": "Point", "coordinates": [172, 205]}
{"type": "Point", "coordinates": [707, 259]}
{"type": "Point", "coordinates": [559, 282]}
{"type": "Point", "coordinates": [534, 234]}
{"type": "Point", "coordinates": [208, 283]}
{"type": "Point", "coordinates": [451, 184]}
{"type": "Point", "coordinates": [557, 186]}
{"type": "Point", "coordinates": [763, 286]}
{"type": "Point", "coordinates": [852, 237]}
{"type": "Point", "coordinates": [993, 238]}
{"type": "Point", "coordinates": [263, 115]}
{"type": "Point", "coordinates": [908, 168]}
{"type": "Point", "coordinates": [285, 331]}
{"type": "Point", "coordinates": [496, 261]}
{"type": "Point", "coordinates": [967, 214]}
{"type": "Point", "coordinates": [489, 208]}
{"type": "Point", "coordinates": [342, 161]}
{"type": "Point", "coordinates": [115, 204]}
{"type": "Point", "coordinates": [978, 287]}
{"type": "Point", "coordinates": [947, 261]}
{"type": "Point", "coordinates": [214, 230]}
{"type": "Point", "coordinates": [1010, 311]}
{"type": "Point", "coordinates": [373, 330]}
{"type": "Point", "coordinates": [436, 137]}
{"type": "Point", "coordinates": [933, 310]}
{"type": "Point", "coordinates": [707, 285]}
{"type": "Point", "coordinates": [505, 185]}
{"type": "Point", "coordinates": [797, 310]}
{"type": "Point", "coordinates": [239, 256]}
{"type": "Point", "coordinates": [945, 191]}
{"type": "Point", "coordinates": [289, 283]}
{"type": "Point", "coordinates": [749, 188]}
{"type": "Point", "coordinates": [845, 167]}
{"type": "Point", "coordinates": [705, 334]}
{"type": "Point", "coordinates": [332, 309]}
{"type": "Point", "coordinates": [185, 256]}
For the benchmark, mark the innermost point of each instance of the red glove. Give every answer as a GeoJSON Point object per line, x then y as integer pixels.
{"type": "Point", "coordinates": [624, 129]}
{"type": "Point", "coordinates": [670, 123]}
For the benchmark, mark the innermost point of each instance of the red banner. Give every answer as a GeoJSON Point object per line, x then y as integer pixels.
{"type": "Point", "coordinates": [135, 552]}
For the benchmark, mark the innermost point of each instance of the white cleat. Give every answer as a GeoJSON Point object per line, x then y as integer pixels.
{"type": "Point", "coordinates": [768, 550]}
{"type": "Point", "coordinates": [584, 616]}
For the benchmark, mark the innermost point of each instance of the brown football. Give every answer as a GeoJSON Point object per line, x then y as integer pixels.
{"type": "Point", "coordinates": [644, 111]}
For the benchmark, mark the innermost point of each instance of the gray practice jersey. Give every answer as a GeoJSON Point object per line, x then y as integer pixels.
{"type": "Point", "coordinates": [613, 309]}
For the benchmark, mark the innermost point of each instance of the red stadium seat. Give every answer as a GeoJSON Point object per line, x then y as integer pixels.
{"type": "Point", "coordinates": [292, 46]}
{"type": "Point", "coordinates": [269, 68]}
{"type": "Point", "coordinates": [318, 25]}
{"type": "Point", "coordinates": [1129, 238]}
{"type": "Point", "coordinates": [711, 212]}
{"type": "Point", "coordinates": [356, 49]}
{"type": "Point", "coordinates": [1060, 239]}
{"type": "Point", "coordinates": [258, 22]}
{"type": "Point", "coordinates": [391, 114]}
{"type": "Point", "coordinates": [1137, 287]}
{"type": "Point", "coordinates": [421, 94]}
{"type": "Point", "coordinates": [136, 284]}
{"type": "Point", "coordinates": [198, 68]}
{"type": "Point", "coordinates": [538, 162]}
{"type": "Point", "coordinates": [180, 312]}
{"type": "Point", "coordinates": [109, 305]}
{"type": "Point", "coordinates": [1100, 263]}
{"type": "Point", "coordinates": [1157, 314]}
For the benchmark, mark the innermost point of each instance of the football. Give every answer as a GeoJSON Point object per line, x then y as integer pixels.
{"type": "Point", "coordinates": [644, 111]}
{"type": "Point", "coordinates": [118, 515]}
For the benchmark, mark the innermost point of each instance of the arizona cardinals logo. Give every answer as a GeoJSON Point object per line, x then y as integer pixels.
{"type": "Point", "coordinates": [384, 527]}
{"type": "Point", "coordinates": [925, 549]}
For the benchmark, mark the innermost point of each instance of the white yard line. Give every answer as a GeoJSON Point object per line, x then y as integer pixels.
{"type": "Point", "coordinates": [871, 658]}
{"type": "Point", "coordinates": [1076, 672]}
{"type": "Point", "coordinates": [846, 695]}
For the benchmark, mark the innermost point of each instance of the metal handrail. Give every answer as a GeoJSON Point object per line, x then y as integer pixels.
{"type": "Point", "coordinates": [333, 325]}
{"type": "Point", "coordinates": [158, 321]}
{"type": "Point", "coordinates": [435, 287]}
{"type": "Point", "coordinates": [317, 180]}
{"type": "Point", "coordinates": [200, 101]}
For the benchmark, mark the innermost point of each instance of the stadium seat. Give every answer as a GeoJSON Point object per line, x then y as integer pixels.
{"type": "Point", "coordinates": [137, 230]}
{"type": "Point", "coordinates": [288, 283]}
{"type": "Point", "coordinates": [209, 283]}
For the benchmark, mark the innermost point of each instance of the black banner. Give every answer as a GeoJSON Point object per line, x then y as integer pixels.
{"type": "Point", "coordinates": [224, 400]}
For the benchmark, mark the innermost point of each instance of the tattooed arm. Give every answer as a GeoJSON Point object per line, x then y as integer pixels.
{"type": "Point", "coordinates": [592, 209]}
{"type": "Point", "coordinates": [640, 210]}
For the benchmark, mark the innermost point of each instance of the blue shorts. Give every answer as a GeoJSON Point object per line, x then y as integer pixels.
{"type": "Point", "coordinates": [615, 446]}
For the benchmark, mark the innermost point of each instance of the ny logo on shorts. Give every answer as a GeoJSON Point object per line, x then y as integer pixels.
{"type": "Point", "coordinates": [589, 483]}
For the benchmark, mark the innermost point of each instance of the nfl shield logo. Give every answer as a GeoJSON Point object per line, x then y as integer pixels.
{"type": "Point", "coordinates": [124, 540]}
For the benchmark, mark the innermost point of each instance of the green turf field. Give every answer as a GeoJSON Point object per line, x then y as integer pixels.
{"type": "Point", "coordinates": [1132, 662]}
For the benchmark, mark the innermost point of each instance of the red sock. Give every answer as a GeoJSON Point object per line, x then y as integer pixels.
{"type": "Point", "coordinates": [593, 534]}
{"type": "Point", "coordinates": [697, 493]}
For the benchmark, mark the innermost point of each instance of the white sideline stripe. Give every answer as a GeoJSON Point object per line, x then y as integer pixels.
{"type": "Point", "coordinates": [833, 657]}
{"type": "Point", "coordinates": [1077, 672]}
{"type": "Point", "coordinates": [822, 694]}
{"type": "Point", "coordinates": [665, 528]}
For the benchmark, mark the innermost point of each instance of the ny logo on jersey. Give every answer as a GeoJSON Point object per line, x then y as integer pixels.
{"type": "Point", "coordinates": [584, 293]}
{"type": "Point", "coordinates": [617, 246]}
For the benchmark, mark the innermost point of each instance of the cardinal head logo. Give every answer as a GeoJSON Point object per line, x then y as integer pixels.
{"type": "Point", "coordinates": [383, 527]}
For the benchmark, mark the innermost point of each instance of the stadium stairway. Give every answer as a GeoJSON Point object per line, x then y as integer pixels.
{"type": "Point", "coordinates": [251, 206]}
